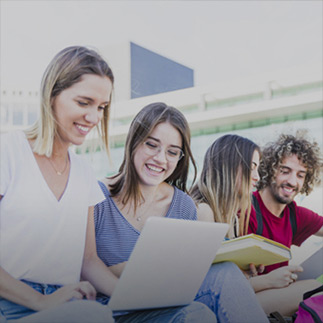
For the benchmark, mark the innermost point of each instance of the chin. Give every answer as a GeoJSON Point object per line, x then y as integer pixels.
{"type": "Point", "coordinates": [284, 200]}
{"type": "Point", "coordinates": [77, 142]}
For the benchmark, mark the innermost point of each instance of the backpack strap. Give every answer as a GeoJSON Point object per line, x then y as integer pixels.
{"type": "Point", "coordinates": [292, 218]}
{"type": "Point", "coordinates": [276, 317]}
{"type": "Point", "coordinates": [258, 215]}
{"type": "Point", "coordinates": [313, 292]}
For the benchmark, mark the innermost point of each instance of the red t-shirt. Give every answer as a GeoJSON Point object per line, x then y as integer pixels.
{"type": "Point", "coordinates": [280, 230]}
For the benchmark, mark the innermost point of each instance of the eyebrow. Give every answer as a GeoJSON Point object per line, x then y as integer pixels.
{"type": "Point", "coordinates": [91, 100]}
{"type": "Point", "coordinates": [175, 146]}
{"type": "Point", "coordinates": [288, 168]}
{"type": "Point", "coordinates": [85, 98]}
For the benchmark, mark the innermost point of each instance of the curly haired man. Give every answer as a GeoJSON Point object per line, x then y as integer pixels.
{"type": "Point", "coordinates": [289, 166]}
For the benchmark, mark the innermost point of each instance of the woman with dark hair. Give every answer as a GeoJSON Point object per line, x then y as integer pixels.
{"type": "Point", "coordinates": [152, 182]}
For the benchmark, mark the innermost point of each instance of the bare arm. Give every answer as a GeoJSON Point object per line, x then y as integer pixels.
{"type": "Point", "coordinates": [93, 269]}
{"type": "Point", "coordinates": [20, 293]}
{"type": "Point", "coordinates": [320, 232]}
{"type": "Point", "coordinates": [204, 213]}
{"type": "Point", "coordinates": [278, 278]}
{"type": "Point", "coordinates": [118, 268]}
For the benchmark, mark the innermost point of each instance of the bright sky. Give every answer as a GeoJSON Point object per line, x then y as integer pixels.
{"type": "Point", "coordinates": [220, 40]}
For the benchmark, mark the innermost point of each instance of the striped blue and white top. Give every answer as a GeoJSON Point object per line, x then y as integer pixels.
{"type": "Point", "coordinates": [116, 237]}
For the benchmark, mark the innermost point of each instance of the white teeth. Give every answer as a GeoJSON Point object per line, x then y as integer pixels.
{"type": "Point", "coordinates": [155, 169]}
{"type": "Point", "coordinates": [82, 128]}
{"type": "Point", "coordinates": [289, 190]}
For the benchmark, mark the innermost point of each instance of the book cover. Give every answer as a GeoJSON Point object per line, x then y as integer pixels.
{"type": "Point", "coordinates": [313, 266]}
{"type": "Point", "coordinates": [254, 249]}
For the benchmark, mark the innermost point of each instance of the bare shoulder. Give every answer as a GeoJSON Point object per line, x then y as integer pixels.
{"type": "Point", "coordinates": [204, 213]}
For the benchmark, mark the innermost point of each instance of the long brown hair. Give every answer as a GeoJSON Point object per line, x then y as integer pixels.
{"type": "Point", "coordinates": [141, 127]}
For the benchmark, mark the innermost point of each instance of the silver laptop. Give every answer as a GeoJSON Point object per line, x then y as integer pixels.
{"type": "Point", "coordinates": [168, 264]}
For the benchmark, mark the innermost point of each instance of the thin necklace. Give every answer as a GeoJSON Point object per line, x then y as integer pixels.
{"type": "Point", "coordinates": [57, 171]}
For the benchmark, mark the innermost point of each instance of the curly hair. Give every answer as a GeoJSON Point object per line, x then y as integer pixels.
{"type": "Point", "coordinates": [307, 152]}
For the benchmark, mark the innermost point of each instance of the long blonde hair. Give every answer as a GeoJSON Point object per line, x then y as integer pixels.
{"type": "Point", "coordinates": [66, 69]}
{"type": "Point", "coordinates": [225, 181]}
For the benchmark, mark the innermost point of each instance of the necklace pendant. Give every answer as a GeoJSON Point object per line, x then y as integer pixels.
{"type": "Point", "coordinates": [139, 218]}
{"type": "Point", "coordinates": [59, 173]}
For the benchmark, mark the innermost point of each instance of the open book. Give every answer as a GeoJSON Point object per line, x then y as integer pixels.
{"type": "Point", "coordinates": [254, 249]}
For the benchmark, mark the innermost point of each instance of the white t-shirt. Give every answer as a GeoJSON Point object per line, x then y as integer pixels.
{"type": "Point", "coordinates": [42, 239]}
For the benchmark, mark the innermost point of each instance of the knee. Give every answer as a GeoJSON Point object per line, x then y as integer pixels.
{"type": "Point", "coordinates": [229, 266]}
{"type": "Point", "coordinates": [313, 284]}
{"type": "Point", "coordinates": [198, 312]}
{"type": "Point", "coordinates": [225, 269]}
{"type": "Point", "coordinates": [308, 285]}
{"type": "Point", "coordinates": [220, 275]}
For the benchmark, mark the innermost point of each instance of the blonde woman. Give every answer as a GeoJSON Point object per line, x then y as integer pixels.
{"type": "Point", "coordinates": [229, 174]}
{"type": "Point", "coordinates": [47, 195]}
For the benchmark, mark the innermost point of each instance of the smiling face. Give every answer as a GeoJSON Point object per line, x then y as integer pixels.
{"type": "Point", "coordinates": [254, 169]}
{"type": "Point", "coordinates": [80, 107]}
{"type": "Point", "coordinates": [254, 175]}
{"type": "Point", "coordinates": [289, 180]}
{"type": "Point", "coordinates": [155, 169]}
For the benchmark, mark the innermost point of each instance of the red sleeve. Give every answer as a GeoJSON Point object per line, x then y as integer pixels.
{"type": "Point", "coordinates": [308, 223]}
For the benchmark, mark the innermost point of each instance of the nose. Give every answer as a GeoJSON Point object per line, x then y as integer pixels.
{"type": "Point", "coordinates": [292, 179]}
{"type": "Point", "coordinates": [255, 175]}
{"type": "Point", "coordinates": [161, 156]}
{"type": "Point", "coordinates": [93, 116]}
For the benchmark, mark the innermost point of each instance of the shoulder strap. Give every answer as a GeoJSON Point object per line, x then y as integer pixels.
{"type": "Point", "coordinates": [292, 218]}
{"type": "Point", "coordinates": [258, 215]}
{"type": "Point", "coordinates": [313, 292]}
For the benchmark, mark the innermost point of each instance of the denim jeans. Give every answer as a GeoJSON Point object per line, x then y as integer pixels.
{"type": "Point", "coordinates": [192, 313]}
{"type": "Point", "coordinates": [225, 290]}
{"type": "Point", "coordinates": [78, 311]}
{"type": "Point", "coordinates": [229, 295]}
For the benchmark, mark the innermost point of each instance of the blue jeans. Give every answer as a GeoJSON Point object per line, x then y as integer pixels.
{"type": "Point", "coordinates": [78, 311]}
{"type": "Point", "coordinates": [229, 295]}
{"type": "Point", "coordinates": [12, 311]}
{"type": "Point", "coordinates": [192, 313]}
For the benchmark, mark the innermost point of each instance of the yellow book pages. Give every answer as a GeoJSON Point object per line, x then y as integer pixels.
{"type": "Point", "coordinates": [256, 237]}
{"type": "Point", "coordinates": [252, 249]}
